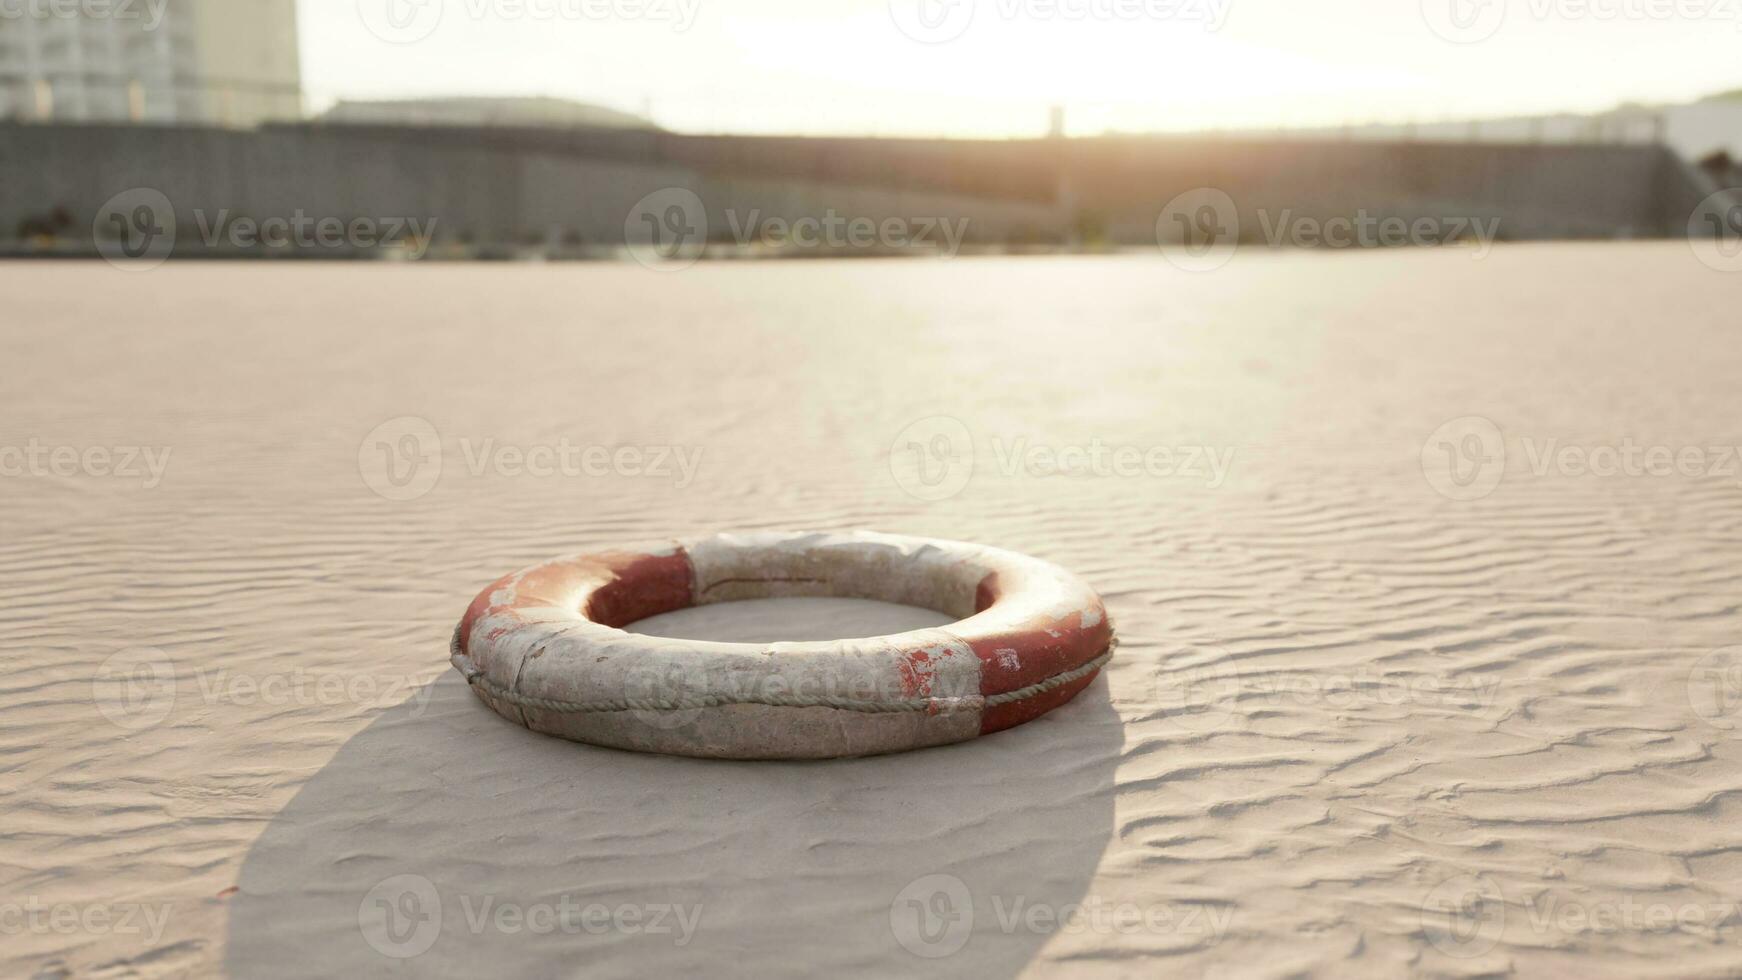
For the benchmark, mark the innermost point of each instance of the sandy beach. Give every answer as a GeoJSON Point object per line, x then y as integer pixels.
{"type": "Point", "coordinates": [1425, 569]}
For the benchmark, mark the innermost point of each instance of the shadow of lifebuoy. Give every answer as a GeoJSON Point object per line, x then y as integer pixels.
{"type": "Point", "coordinates": [443, 841]}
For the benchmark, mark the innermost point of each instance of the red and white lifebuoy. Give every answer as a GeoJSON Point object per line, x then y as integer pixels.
{"type": "Point", "coordinates": [544, 647]}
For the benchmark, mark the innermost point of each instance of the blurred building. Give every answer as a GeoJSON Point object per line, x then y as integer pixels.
{"type": "Point", "coordinates": [533, 112]}
{"type": "Point", "coordinates": [1693, 130]}
{"type": "Point", "coordinates": [202, 62]}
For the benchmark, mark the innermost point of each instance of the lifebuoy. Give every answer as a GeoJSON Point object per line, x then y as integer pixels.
{"type": "Point", "coordinates": [544, 647]}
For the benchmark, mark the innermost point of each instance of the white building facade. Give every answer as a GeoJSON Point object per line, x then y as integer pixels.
{"type": "Point", "coordinates": [199, 62]}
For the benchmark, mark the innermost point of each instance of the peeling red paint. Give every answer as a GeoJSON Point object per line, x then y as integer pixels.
{"type": "Point", "coordinates": [1028, 653]}
{"type": "Point", "coordinates": [986, 593]}
{"type": "Point", "coordinates": [918, 674]}
{"type": "Point", "coordinates": [617, 588]}
{"type": "Point", "coordinates": [1003, 716]}
{"type": "Point", "coordinates": [640, 586]}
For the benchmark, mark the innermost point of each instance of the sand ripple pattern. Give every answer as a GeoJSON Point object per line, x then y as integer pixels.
{"type": "Point", "coordinates": [1356, 728]}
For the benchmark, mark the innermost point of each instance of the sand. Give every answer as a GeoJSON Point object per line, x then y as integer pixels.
{"type": "Point", "coordinates": [1358, 727]}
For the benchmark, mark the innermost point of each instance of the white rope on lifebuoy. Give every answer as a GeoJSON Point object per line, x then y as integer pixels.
{"type": "Point", "coordinates": [545, 648]}
{"type": "Point", "coordinates": [782, 701]}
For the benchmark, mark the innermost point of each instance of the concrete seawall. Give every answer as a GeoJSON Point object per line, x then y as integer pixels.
{"type": "Point", "coordinates": [508, 190]}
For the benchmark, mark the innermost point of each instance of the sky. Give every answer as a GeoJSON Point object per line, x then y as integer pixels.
{"type": "Point", "coordinates": [994, 68]}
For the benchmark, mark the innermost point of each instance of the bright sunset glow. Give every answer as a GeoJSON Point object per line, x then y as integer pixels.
{"type": "Point", "coordinates": [994, 67]}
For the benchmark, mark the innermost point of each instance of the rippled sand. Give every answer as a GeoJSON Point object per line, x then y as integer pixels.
{"type": "Point", "coordinates": [1357, 726]}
